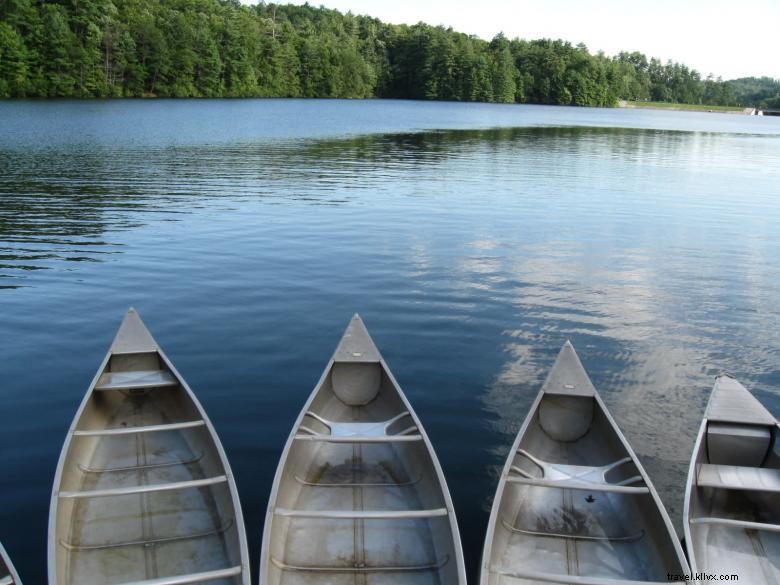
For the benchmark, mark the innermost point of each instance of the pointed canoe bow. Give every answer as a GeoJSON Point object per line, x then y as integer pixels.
{"type": "Point", "coordinates": [359, 492]}
{"type": "Point", "coordinates": [574, 504]}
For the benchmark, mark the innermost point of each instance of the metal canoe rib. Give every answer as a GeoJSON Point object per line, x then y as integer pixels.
{"type": "Point", "coordinates": [362, 514]}
{"type": "Point", "coordinates": [125, 491]}
{"type": "Point", "coordinates": [191, 578]}
{"type": "Point", "coordinates": [141, 429]}
{"type": "Point", "coordinates": [364, 568]}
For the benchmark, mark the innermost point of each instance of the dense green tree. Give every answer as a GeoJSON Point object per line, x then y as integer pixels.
{"type": "Point", "coordinates": [13, 63]}
{"type": "Point", "coordinates": [502, 70]}
{"type": "Point", "coordinates": [194, 48]}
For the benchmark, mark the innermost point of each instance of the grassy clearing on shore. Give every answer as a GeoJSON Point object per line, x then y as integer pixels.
{"type": "Point", "coordinates": [689, 107]}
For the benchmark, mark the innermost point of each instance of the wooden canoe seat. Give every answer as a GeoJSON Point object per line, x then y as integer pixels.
{"type": "Point", "coordinates": [192, 577]}
{"type": "Point", "coordinates": [573, 579]}
{"type": "Point", "coordinates": [136, 380]}
{"type": "Point", "coordinates": [143, 489]}
{"type": "Point", "coordinates": [358, 432]}
{"type": "Point", "coordinates": [362, 568]}
{"type": "Point", "coordinates": [580, 477]}
{"type": "Point", "coordinates": [734, 477]}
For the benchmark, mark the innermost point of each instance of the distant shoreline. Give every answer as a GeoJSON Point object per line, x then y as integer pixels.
{"type": "Point", "coordinates": [684, 107]}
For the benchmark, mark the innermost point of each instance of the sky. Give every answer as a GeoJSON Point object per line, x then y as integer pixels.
{"type": "Point", "coordinates": [728, 39]}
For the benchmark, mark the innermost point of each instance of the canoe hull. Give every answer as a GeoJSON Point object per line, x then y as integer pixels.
{"type": "Point", "coordinates": [360, 501]}
{"type": "Point", "coordinates": [143, 489]}
{"type": "Point", "coordinates": [732, 496]}
{"type": "Point", "coordinates": [573, 499]}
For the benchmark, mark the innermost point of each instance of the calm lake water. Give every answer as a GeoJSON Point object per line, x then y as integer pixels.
{"type": "Point", "coordinates": [473, 239]}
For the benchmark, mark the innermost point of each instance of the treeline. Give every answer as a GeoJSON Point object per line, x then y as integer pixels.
{"type": "Point", "coordinates": [763, 92]}
{"type": "Point", "coordinates": [216, 48]}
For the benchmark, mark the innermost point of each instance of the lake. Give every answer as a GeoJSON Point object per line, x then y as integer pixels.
{"type": "Point", "coordinates": [474, 239]}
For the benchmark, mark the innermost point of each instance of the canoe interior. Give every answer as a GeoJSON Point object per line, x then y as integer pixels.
{"type": "Point", "coordinates": [752, 554]}
{"type": "Point", "coordinates": [8, 574]}
{"type": "Point", "coordinates": [135, 537]}
{"type": "Point", "coordinates": [558, 531]}
{"type": "Point", "coordinates": [379, 476]}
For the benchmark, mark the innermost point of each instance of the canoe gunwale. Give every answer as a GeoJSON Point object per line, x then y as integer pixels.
{"type": "Point", "coordinates": [238, 519]}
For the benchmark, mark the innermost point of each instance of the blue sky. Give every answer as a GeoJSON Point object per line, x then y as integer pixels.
{"type": "Point", "coordinates": [731, 39]}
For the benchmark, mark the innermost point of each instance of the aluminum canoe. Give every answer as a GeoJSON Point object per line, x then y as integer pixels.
{"type": "Point", "coordinates": [8, 575]}
{"type": "Point", "coordinates": [574, 505]}
{"type": "Point", "coordinates": [732, 497]}
{"type": "Point", "coordinates": [143, 493]}
{"type": "Point", "coordinates": [359, 496]}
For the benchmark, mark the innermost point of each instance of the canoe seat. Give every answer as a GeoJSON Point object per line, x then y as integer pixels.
{"type": "Point", "coordinates": [738, 444]}
{"type": "Point", "coordinates": [736, 477]}
{"type": "Point", "coordinates": [584, 477]}
{"type": "Point", "coordinates": [136, 380]}
{"type": "Point", "coordinates": [358, 432]}
{"type": "Point", "coordinates": [192, 577]}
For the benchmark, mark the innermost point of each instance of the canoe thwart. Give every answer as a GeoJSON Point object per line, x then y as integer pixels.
{"type": "Point", "coordinates": [573, 579]}
{"type": "Point", "coordinates": [579, 485]}
{"type": "Point", "coordinates": [142, 489]}
{"type": "Point", "coordinates": [584, 477]}
{"type": "Point", "coordinates": [192, 577]}
{"type": "Point", "coordinates": [737, 524]}
{"type": "Point", "coordinates": [362, 514]}
{"type": "Point", "coordinates": [141, 429]}
{"type": "Point", "coordinates": [136, 380]}
{"type": "Point", "coordinates": [360, 439]}
{"type": "Point", "coordinates": [604, 538]}
{"type": "Point", "coordinates": [149, 541]}
{"type": "Point", "coordinates": [363, 568]}
{"type": "Point", "coordinates": [736, 477]}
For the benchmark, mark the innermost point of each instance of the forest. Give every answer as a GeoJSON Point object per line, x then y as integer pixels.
{"type": "Point", "coordinates": [221, 48]}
